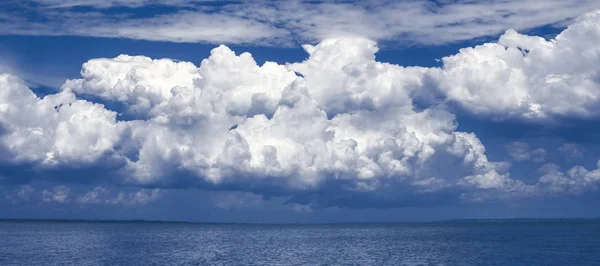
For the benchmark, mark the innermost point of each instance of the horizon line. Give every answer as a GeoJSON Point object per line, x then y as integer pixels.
{"type": "Point", "coordinates": [473, 220]}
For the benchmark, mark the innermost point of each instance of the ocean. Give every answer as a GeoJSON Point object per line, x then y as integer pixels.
{"type": "Point", "coordinates": [536, 242]}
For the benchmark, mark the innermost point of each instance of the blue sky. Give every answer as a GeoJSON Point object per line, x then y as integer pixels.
{"type": "Point", "coordinates": [395, 111]}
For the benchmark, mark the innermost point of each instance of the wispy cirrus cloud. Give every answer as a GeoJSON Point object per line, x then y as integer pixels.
{"type": "Point", "coordinates": [287, 22]}
{"type": "Point", "coordinates": [113, 3]}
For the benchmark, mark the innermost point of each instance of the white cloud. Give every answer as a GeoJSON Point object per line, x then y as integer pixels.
{"type": "Point", "coordinates": [96, 196]}
{"type": "Point", "coordinates": [571, 150]}
{"type": "Point", "coordinates": [345, 123]}
{"type": "Point", "coordinates": [288, 22]}
{"type": "Point", "coordinates": [25, 192]}
{"type": "Point", "coordinates": [554, 182]}
{"type": "Point", "coordinates": [58, 194]}
{"type": "Point", "coordinates": [527, 76]}
{"type": "Point", "coordinates": [576, 180]}
{"type": "Point", "coordinates": [230, 122]}
{"type": "Point", "coordinates": [56, 128]}
{"type": "Point", "coordinates": [114, 3]}
{"type": "Point", "coordinates": [100, 195]}
{"type": "Point", "coordinates": [420, 21]}
{"type": "Point", "coordinates": [521, 152]}
{"type": "Point", "coordinates": [141, 197]}
{"type": "Point", "coordinates": [190, 27]}
{"type": "Point", "coordinates": [182, 26]}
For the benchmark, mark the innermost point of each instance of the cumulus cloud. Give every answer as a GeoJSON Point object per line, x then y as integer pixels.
{"type": "Point", "coordinates": [527, 76]}
{"type": "Point", "coordinates": [553, 181]}
{"type": "Point", "coordinates": [100, 195]}
{"type": "Point", "coordinates": [25, 192]}
{"type": "Point", "coordinates": [143, 196]}
{"type": "Point", "coordinates": [347, 123]}
{"type": "Point", "coordinates": [96, 196]}
{"type": "Point", "coordinates": [289, 22]}
{"type": "Point", "coordinates": [337, 129]}
{"type": "Point", "coordinates": [521, 152]}
{"type": "Point", "coordinates": [59, 194]}
{"type": "Point", "coordinates": [571, 150]}
{"type": "Point", "coordinates": [576, 180]}
{"type": "Point", "coordinates": [56, 129]}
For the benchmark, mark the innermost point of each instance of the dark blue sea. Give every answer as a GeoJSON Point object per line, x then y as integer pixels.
{"type": "Point", "coordinates": [448, 243]}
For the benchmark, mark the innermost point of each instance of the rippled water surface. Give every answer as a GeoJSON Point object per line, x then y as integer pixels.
{"type": "Point", "coordinates": [460, 243]}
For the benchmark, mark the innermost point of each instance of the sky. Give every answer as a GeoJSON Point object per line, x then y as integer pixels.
{"type": "Point", "coordinates": [299, 111]}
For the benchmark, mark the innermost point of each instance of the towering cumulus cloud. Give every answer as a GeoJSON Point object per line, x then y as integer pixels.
{"type": "Point", "coordinates": [528, 76]}
{"type": "Point", "coordinates": [55, 130]}
{"type": "Point", "coordinates": [338, 129]}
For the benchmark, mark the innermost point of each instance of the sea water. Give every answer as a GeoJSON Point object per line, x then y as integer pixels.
{"type": "Point", "coordinates": [543, 242]}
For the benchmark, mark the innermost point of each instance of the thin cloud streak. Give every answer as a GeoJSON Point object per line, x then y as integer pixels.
{"type": "Point", "coordinates": [292, 22]}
